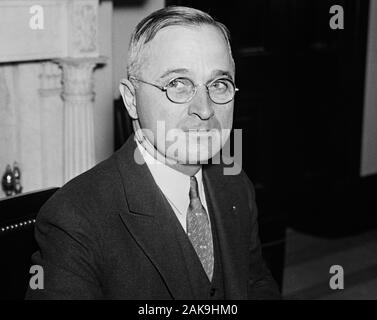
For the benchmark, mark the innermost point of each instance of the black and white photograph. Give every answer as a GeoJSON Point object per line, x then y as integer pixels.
{"type": "Point", "coordinates": [208, 151]}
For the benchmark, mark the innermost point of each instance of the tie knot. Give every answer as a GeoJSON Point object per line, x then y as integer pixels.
{"type": "Point", "coordinates": [193, 188]}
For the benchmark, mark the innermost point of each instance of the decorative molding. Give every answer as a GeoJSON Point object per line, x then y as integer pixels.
{"type": "Point", "coordinates": [78, 76]}
{"type": "Point", "coordinates": [70, 29]}
{"type": "Point", "coordinates": [78, 96]}
{"type": "Point", "coordinates": [85, 28]}
{"type": "Point", "coordinates": [50, 79]}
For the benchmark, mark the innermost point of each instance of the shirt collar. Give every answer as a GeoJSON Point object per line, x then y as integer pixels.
{"type": "Point", "coordinates": [173, 184]}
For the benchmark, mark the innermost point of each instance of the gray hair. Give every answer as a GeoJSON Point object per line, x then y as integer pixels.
{"type": "Point", "coordinates": [147, 29]}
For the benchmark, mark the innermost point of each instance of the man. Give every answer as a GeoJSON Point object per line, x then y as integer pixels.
{"type": "Point", "coordinates": [152, 222]}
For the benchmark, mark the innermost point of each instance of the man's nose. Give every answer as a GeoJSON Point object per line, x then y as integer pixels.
{"type": "Point", "coordinates": [201, 104]}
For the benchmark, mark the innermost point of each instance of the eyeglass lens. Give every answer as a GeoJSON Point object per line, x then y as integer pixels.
{"type": "Point", "coordinates": [181, 90]}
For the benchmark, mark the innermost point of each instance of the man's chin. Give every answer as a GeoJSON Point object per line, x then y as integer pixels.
{"type": "Point", "coordinates": [194, 148]}
{"type": "Point", "coordinates": [193, 157]}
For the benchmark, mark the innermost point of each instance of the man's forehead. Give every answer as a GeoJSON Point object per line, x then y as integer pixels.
{"type": "Point", "coordinates": [172, 37]}
{"type": "Point", "coordinates": [179, 28]}
{"type": "Point", "coordinates": [183, 48]}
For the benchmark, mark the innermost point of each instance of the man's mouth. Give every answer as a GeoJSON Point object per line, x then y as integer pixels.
{"type": "Point", "coordinates": [198, 130]}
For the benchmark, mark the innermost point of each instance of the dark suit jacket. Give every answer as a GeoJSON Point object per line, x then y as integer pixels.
{"type": "Point", "coordinates": [106, 234]}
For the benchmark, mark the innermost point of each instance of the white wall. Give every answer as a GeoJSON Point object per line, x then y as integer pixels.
{"type": "Point", "coordinates": [21, 114]}
{"type": "Point", "coordinates": [369, 135]}
{"type": "Point", "coordinates": [103, 79]}
{"type": "Point", "coordinates": [125, 20]}
{"type": "Point", "coordinates": [115, 27]}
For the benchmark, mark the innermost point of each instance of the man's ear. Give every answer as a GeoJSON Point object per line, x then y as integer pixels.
{"type": "Point", "coordinates": [127, 91]}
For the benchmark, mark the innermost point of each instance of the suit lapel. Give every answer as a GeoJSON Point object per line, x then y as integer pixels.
{"type": "Point", "coordinates": [150, 221]}
{"type": "Point", "coordinates": [223, 201]}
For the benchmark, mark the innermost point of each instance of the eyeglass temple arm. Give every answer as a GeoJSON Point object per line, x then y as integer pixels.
{"type": "Point", "coordinates": [152, 84]}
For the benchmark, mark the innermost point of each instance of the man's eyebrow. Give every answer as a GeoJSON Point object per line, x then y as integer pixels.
{"type": "Point", "coordinates": [219, 73]}
{"type": "Point", "coordinates": [214, 74]}
{"type": "Point", "coordinates": [170, 71]}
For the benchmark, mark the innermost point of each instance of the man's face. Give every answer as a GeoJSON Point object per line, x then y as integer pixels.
{"type": "Point", "coordinates": [201, 54]}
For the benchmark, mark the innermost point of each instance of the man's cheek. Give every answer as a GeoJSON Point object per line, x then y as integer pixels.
{"type": "Point", "coordinates": [226, 121]}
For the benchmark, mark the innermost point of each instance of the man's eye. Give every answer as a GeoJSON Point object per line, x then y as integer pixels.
{"type": "Point", "coordinates": [177, 84]}
{"type": "Point", "coordinates": [220, 85]}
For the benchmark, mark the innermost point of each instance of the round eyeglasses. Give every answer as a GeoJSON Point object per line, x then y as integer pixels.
{"type": "Point", "coordinates": [182, 90]}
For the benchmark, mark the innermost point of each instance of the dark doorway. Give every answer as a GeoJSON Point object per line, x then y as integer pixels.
{"type": "Point", "coordinates": [300, 107]}
{"type": "Point", "coordinates": [301, 84]}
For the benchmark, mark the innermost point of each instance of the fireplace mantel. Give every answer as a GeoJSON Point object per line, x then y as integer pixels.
{"type": "Point", "coordinates": [48, 29]}
{"type": "Point", "coordinates": [42, 44]}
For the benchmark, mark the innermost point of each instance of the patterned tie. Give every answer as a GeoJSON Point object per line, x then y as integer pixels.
{"type": "Point", "coordinates": [198, 229]}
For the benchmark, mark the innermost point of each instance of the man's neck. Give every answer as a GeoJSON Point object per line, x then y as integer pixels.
{"type": "Point", "coordinates": [187, 169]}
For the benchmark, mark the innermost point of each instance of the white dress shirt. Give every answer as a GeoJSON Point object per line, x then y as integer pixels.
{"type": "Point", "coordinates": [174, 185]}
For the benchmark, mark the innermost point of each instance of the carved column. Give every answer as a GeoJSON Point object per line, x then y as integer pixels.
{"type": "Point", "coordinates": [78, 96]}
{"type": "Point", "coordinates": [51, 124]}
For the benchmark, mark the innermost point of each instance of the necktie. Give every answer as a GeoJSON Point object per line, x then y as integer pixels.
{"type": "Point", "coordinates": [198, 229]}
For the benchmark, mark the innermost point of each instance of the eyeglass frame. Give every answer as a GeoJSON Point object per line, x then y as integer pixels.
{"type": "Point", "coordinates": [196, 85]}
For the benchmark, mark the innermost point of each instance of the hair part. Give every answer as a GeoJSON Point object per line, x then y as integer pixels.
{"type": "Point", "coordinates": [147, 29]}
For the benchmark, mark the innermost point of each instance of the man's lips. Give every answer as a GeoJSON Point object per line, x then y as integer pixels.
{"type": "Point", "coordinates": [198, 129]}
{"type": "Point", "coordinates": [199, 132]}
{"type": "Point", "coordinates": [205, 133]}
